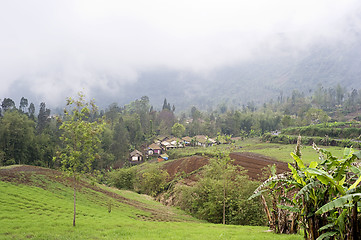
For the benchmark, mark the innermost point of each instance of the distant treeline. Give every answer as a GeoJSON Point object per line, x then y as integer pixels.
{"type": "Point", "coordinates": [309, 140]}
{"type": "Point", "coordinates": [349, 130]}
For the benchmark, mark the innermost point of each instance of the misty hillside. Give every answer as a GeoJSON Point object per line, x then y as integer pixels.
{"type": "Point", "coordinates": [258, 80]}
{"type": "Point", "coordinates": [192, 53]}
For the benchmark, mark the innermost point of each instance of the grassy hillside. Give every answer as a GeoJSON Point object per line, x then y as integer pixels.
{"type": "Point", "coordinates": [37, 203]}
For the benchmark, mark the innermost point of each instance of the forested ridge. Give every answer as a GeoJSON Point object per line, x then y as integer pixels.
{"type": "Point", "coordinates": [30, 135]}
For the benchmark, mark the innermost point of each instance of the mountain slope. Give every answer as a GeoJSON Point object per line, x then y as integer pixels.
{"type": "Point", "coordinates": [257, 80]}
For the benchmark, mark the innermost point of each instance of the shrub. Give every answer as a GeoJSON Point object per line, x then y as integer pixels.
{"type": "Point", "coordinates": [122, 178]}
{"type": "Point", "coordinates": [151, 180]}
{"type": "Point", "coordinates": [220, 185]}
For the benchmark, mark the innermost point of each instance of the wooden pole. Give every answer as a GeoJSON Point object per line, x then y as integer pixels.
{"type": "Point", "coordinates": [74, 201]}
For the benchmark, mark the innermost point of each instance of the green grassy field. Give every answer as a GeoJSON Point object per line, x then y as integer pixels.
{"type": "Point", "coordinates": [282, 152]}
{"type": "Point", "coordinates": [43, 209]}
{"type": "Point", "coordinates": [277, 151]}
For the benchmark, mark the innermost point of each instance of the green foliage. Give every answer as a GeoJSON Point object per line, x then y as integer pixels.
{"type": "Point", "coordinates": [328, 194]}
{"type": "Point", "coordinates": [339, 203]}
{"type": "Point", "coordinates": [349, 130]}
{"type": "Point", "coordinates": [122, 178]}
{"type": "Point", "coordinates": [309, 140]}
{"type": "Point", "coordinates": [136, 124]}
{"type": "Point", "coordinates": [223, 189]}
{"type": "Point", "coordinates": [178, 130]}
{"type": "Point", "coordinates": [80, 139]}
{"type": "Point", "coordinates": [151, 180]}
{"type": "Point", "coordinates": [80, 136]}
{"type": "Point", "coordinates": [17, 138]}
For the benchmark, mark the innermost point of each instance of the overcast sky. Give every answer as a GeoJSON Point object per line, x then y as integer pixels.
{"type": "Point", "coordinates": [55, 48]}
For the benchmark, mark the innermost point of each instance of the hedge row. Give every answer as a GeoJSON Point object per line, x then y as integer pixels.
{"type": "Point", "coordinates": [321, 131]}
{"type": "Point", "coordinates": [325, 141]}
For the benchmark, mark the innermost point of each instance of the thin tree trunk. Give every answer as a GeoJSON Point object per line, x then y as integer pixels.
{"type": "Point", "coordinates": [355, 232]}
{"type": "Point", "coordinates": [267, 212]}
{"type": "Point", "coordinates": [224, 202]}
{"type": "Point", "coordinates": [74, 201]}
{"type": "Point", "coordinates": [275, 214]}
{"type": "Point", "coordinates": [313, 228]}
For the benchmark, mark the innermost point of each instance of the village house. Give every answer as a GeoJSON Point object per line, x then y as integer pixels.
{"type": "Point", "coordinates": [204, 141]}
{"type": "Point", "coordinates": [136, 157]}
{"type": "Point", "coordinates": [167, 145]}
{"type": "Point", "coordinates": [176, 142]}
{"type": "Point", "coordinates": [153, 149]}
{"type": "Point", "coordinates": [187, 141]}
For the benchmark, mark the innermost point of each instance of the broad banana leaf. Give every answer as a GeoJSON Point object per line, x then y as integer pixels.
{"type": "Point", "coordinates": [338, 203]}
{"type": "Point", "coordinates": [298, 160]}
{"type": "Point", "coordinates": [326, 235]}
{"type": "Point", "coordinates": [354, 185]}
{"type": "Point", "coordinates": [325, 178]}
{"type": "Point", "coordinates": [307, 188]}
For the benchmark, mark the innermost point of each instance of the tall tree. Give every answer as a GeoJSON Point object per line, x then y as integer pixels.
{"type": "Point", "coordinates": [31, 111]}
{"type": "Point", "coordinates": [134, 128]}
{"type": "Point", "coordinates": [8, 104]}
{"type": "Point", "coordinates": [16, 137]}
{"type": "Point", "coordinates": [120, 144]}
{"type": "Point", "coordinates": [166, 105]}
{"type": "Point", "coordinates": [195, 113]}
{"type": "Point", "coordinates": [23, 104]}
{"type": "Point", "coordinates": [112, 113]}
{"type": "Point", "coordinates": [43, 116]}
{"type": "Point", "coordinates": [80, 139]}
{"type": "Point", "coordinates": [178, 130]}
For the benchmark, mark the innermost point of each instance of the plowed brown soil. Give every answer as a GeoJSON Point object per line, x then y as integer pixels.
{"type": "Point", "coordinates": [185, 165]}
{"type": "Point", "coordinates": [255, 163]}
{"type": "Point", "coordinates": [252, 162]}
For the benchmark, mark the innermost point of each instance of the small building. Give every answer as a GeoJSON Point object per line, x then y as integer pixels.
{"type": "Point", "coordinates": [154, 149]}
{"type": "Point", "coordinates": [204, 141]}
{"type": "Point", "coordinates": [161, 138]}
{"type": "Point", "coordinates": [187, 141]}
{"type": "Point", "coordinates": [167, 145]}
{"type": "Point", "coordinates": [176, 142]}
{"type": "Point", "coordinates": [136, 156]}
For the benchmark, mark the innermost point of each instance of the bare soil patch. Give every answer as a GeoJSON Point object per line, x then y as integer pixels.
{"type": "Point", "coordinates": [185, 165]}
{"type": "Point", "coordinates": [255, 163]}
{"type": "Point", "coordinates": [252, 162]}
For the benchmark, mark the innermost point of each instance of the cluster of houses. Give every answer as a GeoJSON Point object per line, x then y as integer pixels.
{"type": "Point", "coordinates": [162, 144]}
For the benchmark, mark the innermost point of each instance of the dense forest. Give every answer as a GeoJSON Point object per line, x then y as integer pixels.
{"type": "Point", "coordinates": [31, 136]}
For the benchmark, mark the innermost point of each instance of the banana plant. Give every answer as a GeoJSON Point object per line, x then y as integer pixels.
{"type": "Point", "coordinates": [327, 195]}
{"type": "Point", "coordinates": [334, 201]}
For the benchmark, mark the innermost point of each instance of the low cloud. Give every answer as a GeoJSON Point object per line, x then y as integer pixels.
{"type": "Point", "coordinates": [52, 49]}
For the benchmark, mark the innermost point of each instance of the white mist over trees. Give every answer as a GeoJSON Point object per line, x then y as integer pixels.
{"type": "Point", "coordinates": [118, 51]}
